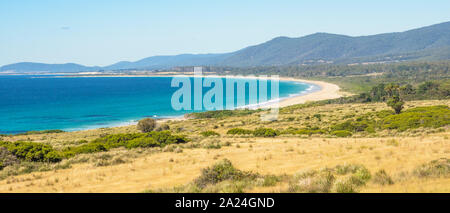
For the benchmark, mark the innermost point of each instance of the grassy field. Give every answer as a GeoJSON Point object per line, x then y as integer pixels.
{"type": "Point", "coordinates": [415, 160]}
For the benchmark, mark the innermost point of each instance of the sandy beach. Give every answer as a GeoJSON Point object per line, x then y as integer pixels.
{"type": "Point", "coordinates": [326, 91]}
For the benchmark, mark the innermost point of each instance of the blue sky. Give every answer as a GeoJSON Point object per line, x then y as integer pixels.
{"type": "Point", "coordinates": [101, 32]}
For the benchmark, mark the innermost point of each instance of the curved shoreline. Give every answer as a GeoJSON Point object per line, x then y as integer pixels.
{"type": "Point", "coordinates": [325, 91]}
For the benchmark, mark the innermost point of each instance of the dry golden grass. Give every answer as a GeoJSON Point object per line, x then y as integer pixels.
{"type": "Point", "coordinates": [155, 169]}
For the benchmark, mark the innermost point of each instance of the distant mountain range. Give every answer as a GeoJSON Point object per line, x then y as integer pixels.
{"type": "Point", "coordinates": [427, 43]}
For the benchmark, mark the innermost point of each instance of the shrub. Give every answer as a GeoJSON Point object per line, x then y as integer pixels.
{"type": "Point", "coordinates": [146, 125]}
{"type": "Point", "coordinates": [396, 104]}
{"type": "Point", "coordinates": [212, 145]}
{"type": "Point", "coordinates": [221, 171]}
{"type": "Point", "coordinates": [361, 176]}
{"type": "Point", "coordinates": [209, 133]}
{"type": "Point", "coordinates": [361, 124]}
{"type": "Point", "coordinates": [382, 178]}
{"type": "Point", "coordinates": [289, 130]}
{"type": "Point", "coordinates": [434, 116]}
{"type": "Point", "coordinates": [345, 185]}
{"type": "Point", "coordinates": [265, 132]}
{"type": "Point", "coordinates": [141, 142]}
{"type": "Point", "coordinates": [359, 173]}
{"type": "Point", "coordinates": [239, 131]}
{"type": "Point", "coordinates": [116, 140]}
{"type": "Point", "coordinates": [348, 168]}
{"type": "Point", "coordinates": [435, 168]}
{"type": "Point", "coordinates": [135, 140]}
{"type": "Point", "coordinates": [165, 138]}
{"type": "Point", "coordinates": [318, 116]}
{"type": "Point", "coordinates": [31, 151]}
{"type": "Point", "coordinates": [347, 126]}
{"type": "Point", "coordinates": [85, 148]}
{"type": "Point", "coordinates": [342, 133]}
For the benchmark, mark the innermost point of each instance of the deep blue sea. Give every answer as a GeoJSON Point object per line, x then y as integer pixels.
{"type": "Point", "coordinates": [74, 103]}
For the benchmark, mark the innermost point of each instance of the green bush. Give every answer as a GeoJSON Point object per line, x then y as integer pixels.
{"type": "Point", "coordinates": [165, 138]}
{"type": "Point", "coordinates": [361, 124]}
{"type": "Point", "coordinates": [239, 131]}
{"type": "Point", "coordinates": [289, 131]}
{"type": "Point", "coordinates": [209, 133]}
{"type": "Point", "coordinates": [117, 140]}
{"type": "Point", "coordinates": [31, 151]}
{"type": "Point", "coordinates": [132, 140]}
{"type": "Point", "coordinates": [347, 126]}
{"type": "Point", "coordinates": [85, 148]}
{"type": "Point", "coordinates": [265, 132]}
{"type": "Point", "coordinates": [361, 176]}
{"type": "Point", "coordinates": [433, 117]}
{"type": "Point", "coordinates": [342, 133]}
{"type": "Point", "coordinates": [141, 142]}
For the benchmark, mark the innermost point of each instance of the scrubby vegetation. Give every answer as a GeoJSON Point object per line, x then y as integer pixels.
{"type": "Point", "coordinates": [223, 177]}
{"type": "Point", "coordinates": [135, 140]}
{"type": "Point", "coordinates": [221, 113]}
{"type": "Point", "coordinates": [146, 125]}
{"type": "Point", "coordinates": [425, 117]}
{"type": "Point", "coordinates": [7, 158]}
{"type": "Point", "coordinates": [428, 117]}
{"type": "Point", "coordinates": [35, 152]}
{"type": "Point", "coordinates": [222, 171]}
{"type": "Point", "coordinates": [265, 132]}
{"type": "Point", "coordinates": [209, 133]}
{"type": "Point", "coordinates": [341, 133]}
{"type": "Point", "coordinates": [435, 168]}
{"type": "Point", "coordinates": [239, 131]}
{"type": "Point", "coordinates": [341, 179]}
{"type": "Point", "coordinates": [259, 132]}
{"type": "Point", "coordinates": [381, 177]}
{"type": "Point", "coordinates": [11, 152]}
{"type": "Point", "coordinates": [435, 116]}
{"type": "Point", "coordinates": [305, 137]}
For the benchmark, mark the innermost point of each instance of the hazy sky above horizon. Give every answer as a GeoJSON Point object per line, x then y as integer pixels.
{"type": "Point", "coordinates": [103, 32]}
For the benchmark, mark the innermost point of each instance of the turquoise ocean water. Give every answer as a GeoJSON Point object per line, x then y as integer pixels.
{"type": "Point", "coordinates": [50, 102]}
